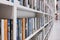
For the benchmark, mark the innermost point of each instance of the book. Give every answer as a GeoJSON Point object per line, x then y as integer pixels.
{"type": "Point", "coordinates": [20, 29]}
{"type": "Point", "coordinates": [41, 35]}
{"type": "Point", "coordinates": [38, 23]}
{"type": "Point", "coordinates": [0, 29]}
{"type": "Point", "coordinates": [38, 5]}
{"type": "Point", "coordinates": [9, 27]}
{"type": "Point", "coordinates": [21, 2]}
{"type": "Point", "coordinates": [30, 2]}
{"type": "Point", "coordinates": [25, 3]}
{"type": "Point", "coordinates": [23, 28]}
{"type": "Point", "coordinates": [26, 28]}
{"type": "Point", "coordinates": [17, 29]}
{"type": "Point", "coordinates": [5, 29]}
{"type": "Point", "coordinates": [35, 23]}
{"type": "Point", "coordinates": [30, 26]}
{"type": "Point", "coordinates": [42, 5]}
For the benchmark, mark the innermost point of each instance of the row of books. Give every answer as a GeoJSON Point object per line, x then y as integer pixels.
{"type": "Point", "coordinates": [6, 29]}
{"type": "Point", "coordinates": [31, 25]}
{"type": "Point", "coordinates": [25, 27]}
{"type": "Point", "coordinates": [10, 1]}
{"type": "Point", "coordinates": [38, 36]}
{"type": "Point", "coordinates": [34, 4]}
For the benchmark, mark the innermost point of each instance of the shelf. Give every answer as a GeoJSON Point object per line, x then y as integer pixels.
{"type": "Point", "coordinates": [34, 33]}
{"type": "Point", "coordinates": [6, 3]}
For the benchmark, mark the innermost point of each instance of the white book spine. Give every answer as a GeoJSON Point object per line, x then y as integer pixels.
{"type": "Point", "coordinates": [2, 29]}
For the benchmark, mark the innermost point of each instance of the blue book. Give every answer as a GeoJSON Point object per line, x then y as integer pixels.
{"type": "Point", "coordinates": [30, 26]}
{"type": "Point", "coordinates": [19, 29]}
{"type": "Point", "coordinates": [11, 29]}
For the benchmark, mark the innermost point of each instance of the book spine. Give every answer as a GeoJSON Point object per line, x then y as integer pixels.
{"type": "Point", "coordinates": [11, 29]}
{"type": "Point", "coordinates": [30, 26]}
{"type": "Point", "coordinates": [17, 29]}
{"type": "Point", "coordinates": [23, 28]}
{"type": "Point", "coordinates": [26, 28]}
{"type": "Point", "coordinates": [20, 29]}
{"type": "Point", "coordinates": [9, 25]}
{"type": "Point", "coordinates": [21, 2]}
{"type": "Point", "coordinates": [5, 29]}
{"type": "Point", "coordinates": [2, 29]}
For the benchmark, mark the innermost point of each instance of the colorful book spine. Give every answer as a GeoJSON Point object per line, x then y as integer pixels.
{"type": "Point", "coordinates": [20, 29]}
{"type": "Point", "coordinates": [9, 25]}
{"type": "Point", "coordinates": [5, 29]}
{"type": "Point", "coordinates": [2, 28]}
{"type": "Point", "coordinates": [17, 29]}
{"type": "Point", "coordinates": [12, 1]}
{"type": "Point", "coordinates": [21, 2]}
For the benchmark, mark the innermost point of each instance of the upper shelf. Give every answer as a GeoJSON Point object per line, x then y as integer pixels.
{"type": "Point", "coordinates": [6, 2]}
{"type": "Point", "coordinates": [27, 9]}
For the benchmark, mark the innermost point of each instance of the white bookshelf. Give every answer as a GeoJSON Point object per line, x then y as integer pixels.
{"type": "Point", "coordinates": [10, 11]}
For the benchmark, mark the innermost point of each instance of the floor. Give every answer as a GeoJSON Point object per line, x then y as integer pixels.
{"type": "Point", "coordinates": [55, 33]}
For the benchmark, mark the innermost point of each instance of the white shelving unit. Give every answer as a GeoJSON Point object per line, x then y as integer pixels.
{"type": "Point", "coordinates": [12, 10]}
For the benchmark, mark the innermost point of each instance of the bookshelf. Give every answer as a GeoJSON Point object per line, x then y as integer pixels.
{"type": "Point", "coordinates": [29, 19]}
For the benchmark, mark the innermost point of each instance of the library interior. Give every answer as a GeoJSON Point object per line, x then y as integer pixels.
{"type": "Point", "coordinates": [29, 19]}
